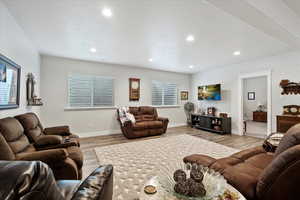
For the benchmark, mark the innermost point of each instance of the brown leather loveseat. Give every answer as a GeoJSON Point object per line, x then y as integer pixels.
{"type": "Point", "coordinates": [260, 175]}
{"type": "Point", "coordinates": [147, 123]}
{"type": "Point", "coordinates": [66, 163]}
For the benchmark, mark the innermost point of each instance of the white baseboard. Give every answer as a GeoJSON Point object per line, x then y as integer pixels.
{"type": "Point", "coordinates": [99, 133]}
{"type": "Point", "coordinates": [113, 132]}
{"type": "Point", "coordinates": [177, 125]}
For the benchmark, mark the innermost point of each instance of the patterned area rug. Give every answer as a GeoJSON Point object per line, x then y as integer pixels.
{"type": "Point", "coordinates": [136, 162]}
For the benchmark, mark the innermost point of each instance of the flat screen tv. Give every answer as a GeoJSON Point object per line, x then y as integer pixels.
{"type": "Point", "coordinates": [209, 92]}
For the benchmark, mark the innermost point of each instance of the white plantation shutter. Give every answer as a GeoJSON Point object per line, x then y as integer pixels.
{"type": "Point", "coordinates": [170, 94]}
{"type": "Point", "coordinates": [103, 91]}
{"type": "Point", "coordinates": [90, 91]}
{"type": "Point", "coordinates": [157, 93]}
{"type": "Point", "coordinates": [164, 93]}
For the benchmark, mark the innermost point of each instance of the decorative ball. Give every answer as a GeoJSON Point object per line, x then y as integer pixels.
{"type": "Point", "coordinates": [195, 166]}
{"type": "Point", "coordinates": [197, 175]}
{"type": "Point", "coordinates": [181, 188]}
{"type": "Point", "coordinates": [179, 176]}
{"type": "Point", "coordinates": [197, 190]}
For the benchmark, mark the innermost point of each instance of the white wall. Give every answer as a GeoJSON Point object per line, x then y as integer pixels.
{"type": "Point", "coordinates": [259, 86]}
{"type": "Point", "coordinates": [54, 74]}
{"type": "Point", "coordinates": [285, 66]}
{"type": "Point", "coordinates": [16, 46]}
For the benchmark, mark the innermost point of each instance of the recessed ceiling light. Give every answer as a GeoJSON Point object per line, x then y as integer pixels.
{"type": "Point", "coordinates": [237, 53]}
{"type": "Point", "coordinates": [93, 50]}
{"type": "Point", "coordinates": [150, 60]}
{"type": "Point", "coordinates": [106, 12]}
{"type": "Point", "coordinates": [190, 38]}
{"type": "Point", "coordinates": [191, 66]}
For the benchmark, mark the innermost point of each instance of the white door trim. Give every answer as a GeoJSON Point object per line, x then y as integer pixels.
{"type": "Point", "coordinates": [268, 74]}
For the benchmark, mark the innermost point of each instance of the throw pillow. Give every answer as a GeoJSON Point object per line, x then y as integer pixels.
{"type": "Point", "coordinates": [130, 117]}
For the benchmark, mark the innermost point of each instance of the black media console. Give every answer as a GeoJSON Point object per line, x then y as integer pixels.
{"type": "Point", "coordinates": [213, 124]}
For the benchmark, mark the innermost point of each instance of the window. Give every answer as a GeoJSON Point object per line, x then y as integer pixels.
{"type": "Point", "coordinates": [90, 91]}
{"type": "Point", "coordinates": [164, 93]}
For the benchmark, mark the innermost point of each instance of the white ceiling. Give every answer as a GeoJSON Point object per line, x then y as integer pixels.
{"type": "Point", "coordinates": [143, 29]}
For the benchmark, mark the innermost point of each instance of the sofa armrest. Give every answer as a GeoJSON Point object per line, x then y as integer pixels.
{"type": "Point", "coordinates": [128, 124]}
{"type": "Point", "coordinates": [281, 178]}
{"type": "Point", "coordinates": [58, 130]}
{"type": "Point", "coordinates": [47, 140]}
{"type": "Point", "coordinates": [98, 185]}
{"type": "Point", "coordinates": [48, 156]}
{"type": "Point", "coordinates": [165, 122]}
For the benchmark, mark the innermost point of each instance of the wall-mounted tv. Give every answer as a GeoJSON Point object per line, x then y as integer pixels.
{"type": "Point", "coordinates": [209, 92]}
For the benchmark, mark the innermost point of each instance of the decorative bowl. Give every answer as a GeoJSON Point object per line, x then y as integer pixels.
{"type": "Point", "coordinates": [214, 183]}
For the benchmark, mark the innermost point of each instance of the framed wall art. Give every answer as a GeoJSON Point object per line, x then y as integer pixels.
{"type": "Point", "coordinates": [251, 96]}
{"type": "Point", "coordinates": [10, 74]}
{"type": "Point", "coordinates": [184, 95]}
{"type": "Point", "coordinates": [134, 89]}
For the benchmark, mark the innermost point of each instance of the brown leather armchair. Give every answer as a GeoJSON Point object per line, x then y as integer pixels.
{"type": "Point", "coordinates": [14, 145]}
{"type": "Point", "coordinates": [54, 137]}
{"type": "Point", "coordinates": [35, 181]}
{"type": "Point", "coordinates": [261, 175]}
{"type": "Point", "coordinates": [147, 123]}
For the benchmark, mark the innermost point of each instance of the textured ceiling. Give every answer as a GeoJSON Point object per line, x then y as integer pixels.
{"type": "Point", "coordinates": [143, 29]}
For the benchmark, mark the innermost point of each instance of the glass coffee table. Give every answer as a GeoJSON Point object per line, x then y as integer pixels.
{"type": "Point", "coordinates": [162, 195]}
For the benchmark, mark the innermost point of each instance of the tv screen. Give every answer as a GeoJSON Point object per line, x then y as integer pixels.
{"type": "Point", "coordinates": [209, 92]}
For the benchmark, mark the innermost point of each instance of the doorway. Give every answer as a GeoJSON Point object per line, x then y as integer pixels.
{"type": "Point", "coordinates": [255, 108]}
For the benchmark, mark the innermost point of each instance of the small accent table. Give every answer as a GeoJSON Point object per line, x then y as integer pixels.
{"type": "Point", "coordinates": [160, 194]}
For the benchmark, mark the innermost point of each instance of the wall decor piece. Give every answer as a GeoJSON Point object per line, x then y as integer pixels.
{"type": "Point", "coordinates": [184, 95]}
{"type": "Point", "coordinates": [10, 74]}
{"type": "Point", "coordinates": [251, 95]}
{"type": "Point", "coordinates": [211, 111]}
{"type": "Point", "coordinates": [223, 115]}
{"type": "Point", "coordinates": [289, 87]}
{"type": "Point", "coordinates": [134, 89]}
{"type": "Point", "coordinates": [210, 92]}
{"type": "Point", "coordinates": [32, 99]}
{"type": "Point", "coordinates": [291, 110]}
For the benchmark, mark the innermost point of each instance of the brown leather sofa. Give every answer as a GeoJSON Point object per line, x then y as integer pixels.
{"type": "Point", "coordinates": [147, 123]}
{"type": "Point", "coordinates": [54, 137]}
{"type": "Point", "coordinates": [66, 163]}
{"type": "Point", "coordinates": [261, 175]}
{"type": "Point", "coordinates": [35, 181]}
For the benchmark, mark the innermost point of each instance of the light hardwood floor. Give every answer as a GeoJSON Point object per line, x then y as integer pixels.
{"type": "Point", "coordinates": [91, 161]}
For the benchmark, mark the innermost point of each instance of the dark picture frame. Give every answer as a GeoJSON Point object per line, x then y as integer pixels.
{"type": "Point", "coordinates": [134, 89]}
{"type": "Point", "coordinates": [10, 83]}
{"type": "Point", "coordinates": [251, 96]}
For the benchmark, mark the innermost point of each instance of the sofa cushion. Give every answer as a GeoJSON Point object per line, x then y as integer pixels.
{"type": "Point", "coordinates": [138, 118]}
{"type": "Point", "coordinates": [13, 133]}
{"type": "Point", "coordinates": [31, 125]}
{"type": "Point", "coordinates": [147, 110]}
{"type": "Point", "coordinates": [291, 138]}
{"type": "Point", "coordinates": [6, 152]}
{"type": "Point", "coordinates": [244, 177]}
{"type": "Point", "coordinates": [147, 125]}
{"type": "Point", "coordinates": [28, 120]}
{"type": "Point", "coordinates": [148, 117]}
{"type": "Point", "coordinates": [134, 110]}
